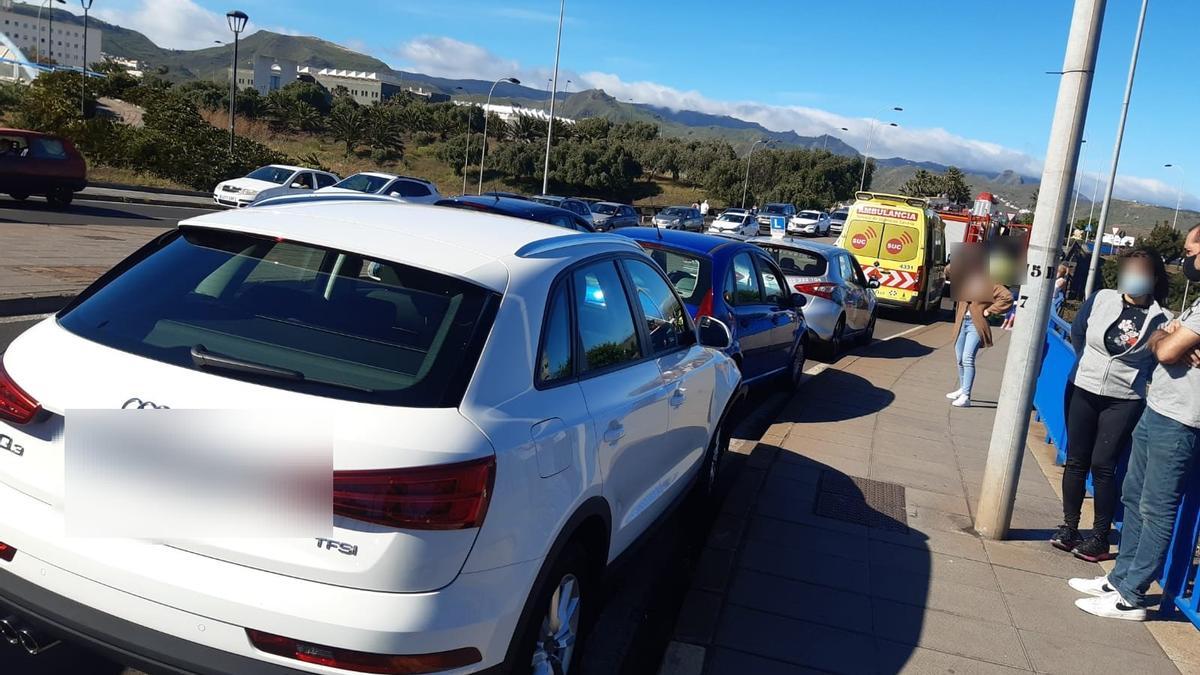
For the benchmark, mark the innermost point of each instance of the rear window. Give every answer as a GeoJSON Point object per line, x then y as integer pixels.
{"type": "Point", "coordinates": [361, 182]}
{"type": "Point", "coordinates": [798, 263]}
{"type": "Point", "coordinates": [774, 208]}
{"type": "Point", "coordinates": [690, 274]}
{"type": "Point", "coordinates": [292, 316]}
{"type": "Point", "coordinates": [47, 148]}
{"type": "Point", "coordinates": [604, 209]}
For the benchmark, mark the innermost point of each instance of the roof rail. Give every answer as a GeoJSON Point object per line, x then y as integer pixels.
{"type": "Point", "coordinates": [543, 246]}
{"type": "Point", "coordinates": [317, 199]}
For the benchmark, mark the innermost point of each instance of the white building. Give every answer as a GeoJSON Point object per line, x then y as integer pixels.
{"type": "Point", "coordinates": [267, 74]}
{"type": "Point", "coordinates": [33, 37]}
{"type": "Point", "coordinates": [510, 112]}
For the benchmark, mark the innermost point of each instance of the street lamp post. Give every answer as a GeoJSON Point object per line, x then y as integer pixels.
{"type": "Point", "coordinates": [1178, 193]}
{"type": "Point", "coordinates": [483, 152]}
{"type": "Point", "coordinates": [825, 143]}
{"type": "Point", "coordinates": [1078, 180]}
{"type": "Point", "coordinates": [1094, 265]}
{"type": "Point", "coordinates": [87, 6]}
{"type": "Point", "coordinates": [562, 10]}
{"type": "Point", "coordinates": [237, 23]}
{"type": "Point", "coordinates": [467, 147]}
{"type": "Point", "coordinates": [870, 138]}
{"type": "Point", "coordinates": [746, 183]}
{"type": "Point", "coordinates": [50, 36]}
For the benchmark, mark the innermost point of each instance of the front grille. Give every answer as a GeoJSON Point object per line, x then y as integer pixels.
{"type": "Point", "coordinates": [230, 188]}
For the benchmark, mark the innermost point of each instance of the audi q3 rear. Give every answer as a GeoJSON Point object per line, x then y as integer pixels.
{"type": "Point", "coordinates": [357, 331]}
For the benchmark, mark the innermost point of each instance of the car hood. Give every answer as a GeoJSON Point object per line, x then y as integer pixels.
{"type": "Point", "coordinates": [251, 183]}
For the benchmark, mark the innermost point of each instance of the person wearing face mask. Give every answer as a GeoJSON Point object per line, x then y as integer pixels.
{"type": "Point", "coordinates": [1107, 393]}
{"type": "Point", "coordinates": [1165, 443]}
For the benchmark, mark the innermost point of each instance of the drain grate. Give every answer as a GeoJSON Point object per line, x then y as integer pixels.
{"type": "Point", "coordinates": [867, 502]}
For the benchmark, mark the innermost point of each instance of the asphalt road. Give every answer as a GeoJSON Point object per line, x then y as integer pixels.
{"type": "Point", "coordinates": [94, 212]}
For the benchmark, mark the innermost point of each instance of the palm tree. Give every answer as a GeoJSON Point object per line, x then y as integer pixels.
{"type": "Point", "coordinates": [348, 124]}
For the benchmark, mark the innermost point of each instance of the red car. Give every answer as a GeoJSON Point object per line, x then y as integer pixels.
{"type": "Point", "coordinates": [33, 163]}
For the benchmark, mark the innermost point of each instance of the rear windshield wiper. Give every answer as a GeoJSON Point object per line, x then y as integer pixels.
{"type": "Point", "coordinates": [202, 358]}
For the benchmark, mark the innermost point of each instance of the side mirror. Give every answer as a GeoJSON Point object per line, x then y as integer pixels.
{"type": "Point", "coordinates": [714, 333]}
{"type": "Point", "coordinates": [872, 283]}
{"type": "Point", "coordinates": [799, 300]}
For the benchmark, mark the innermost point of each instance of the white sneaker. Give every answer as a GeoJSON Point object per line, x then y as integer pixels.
{"type": "Point", "coordinates": [1111, 606]}
{"type": "Point", "coordinates": [1094, 587]}
{"type": "Point", "coordinates": [954, 394]}
{"type": "Point", "coordinates": [963, 401]}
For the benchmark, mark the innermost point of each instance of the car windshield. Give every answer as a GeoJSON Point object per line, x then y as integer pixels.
{"type": "Point", "coordinates": [774, 208]}
{"type": "Point", "coordinates": [732, 217]}
{"type": "Point", "coordinates": [838, 216]}
{"type": "Point", "coordinates": [292, 316]}
{"type": "Point", "coordinates": [689, 273]}
{"type": "Point", "coordinates": [549, 201]}
{"type": "Point", "coordinates": [796, 263]}
{"type": "Point", "coordinates": [674, 211]}
{"type": "Point", "coordinates": [361, 182]}
{"type": "Point", "coordinates": [811, 215]}
{"type": "Point", "coordinates": [271, 174]}
{"type": "Point", "coordinates": [604, 209]}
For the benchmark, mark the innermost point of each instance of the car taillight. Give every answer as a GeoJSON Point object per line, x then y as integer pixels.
{"type": "Point", "coordinates": [15, 405]}
{"type": "Point", "coordinates": [363, 662]}
{"type": "Point", "coordinates": [819, 289]}
{"type": "Point", "coordinates": [447, 497]}
{"type": "Point", "coordinates": [7, 553]}
{"type": "Point", "coordinates": [706, 305]}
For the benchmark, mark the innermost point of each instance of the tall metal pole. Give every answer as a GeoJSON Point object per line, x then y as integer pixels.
{"type": "Point", "coordinates": [999, 491]}
{"type": "Point", "coordinates": [1178, 193]}
{"type": "Point", "coordinates": [746, 184]}
{"type": "Point", "coordinates": [50, 37]}
{"type": "Point", "coordinates": [233, 95]}
{"type": "Point", "coordinates": [1075, 189]}
{"type": "Point", "coordinates": [1092, 205]}
{"type": "Point", "coordinates": [1094, 265]}
{"type": "Point", "coordinates": [87, 5]}
{"type": "Point", "coordinates": [483, 151]}
{"type": "Point", "coordinates": [467, 149]}
{"type": "Point", "coordinates": [562, 9]}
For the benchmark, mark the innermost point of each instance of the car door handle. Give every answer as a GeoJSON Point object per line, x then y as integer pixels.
{"type": "Point", "coordinates": [616, 431]}
{"type": "Point", "coordinates": [677, 398]}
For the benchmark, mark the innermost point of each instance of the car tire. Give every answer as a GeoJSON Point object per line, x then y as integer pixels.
{"type": "Point", "coordinates": [60, 198]}
{"type": "Point", "coordinates": [19, 196]}
{"type": "Point", "coordinates": [710, 470]}
{"type": "Point", "coordinates": [544, 649]}
{"type": "Point", "coordinates": [868, 333]}
{"type": "Point", "coordinates": [795, 371]}
{"type": "Point", "coordinates": [837, 338]}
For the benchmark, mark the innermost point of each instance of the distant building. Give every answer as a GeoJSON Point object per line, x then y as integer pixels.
{"type": "Point", "coordinates": [511, 112]}
{"type": "Point", "coordinates": [33, 37]}
{"type": "Point", "coordinates": [132, 66]}
{"type": "Point", "coordinates": [267, 73]}
{"type": "Point", "coordinates": [364, 87]}
{"type": "Point", "coordinates": [429, 96]}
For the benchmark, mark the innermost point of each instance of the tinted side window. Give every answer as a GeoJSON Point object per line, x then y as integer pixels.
{"type": "Point", "coordinates": [745, 285]}
{"type": "Point", "coordinates": [408, 188]}
{"type": "Point", "coordinates": [772, 284]}
{"type": "Point", "coordinates": [554, 362]}
{"type": "Point", "coordinates": [303, 180]}
{"type": "Point", "coordinates": [325, 180]}
{"type": "Point", "coordinates": [48, 148]}
{"type": "Point", "coordinates": [666, 319]}
{"type": "Point", "coordinates": [606, 329]}
{"type": "Point", "coordinates": [846, 268]}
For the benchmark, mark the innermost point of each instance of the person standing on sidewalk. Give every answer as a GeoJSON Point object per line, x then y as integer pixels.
{"type": "Point", "coordinates": [1107, 393]}
{"type": "Point", "coordinates": [1165, 442]}
{"type": "Point", "coordinates": [981, 298]}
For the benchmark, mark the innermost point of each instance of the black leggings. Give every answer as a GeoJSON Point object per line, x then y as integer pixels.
{"type": "Point", "coordinates": [1099, 431]}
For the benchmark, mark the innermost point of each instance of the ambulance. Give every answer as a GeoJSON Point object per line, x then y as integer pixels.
{"type": "Point", "coordinates": [901, 242]}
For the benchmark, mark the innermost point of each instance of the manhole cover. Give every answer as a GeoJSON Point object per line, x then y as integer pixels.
{"type": "Point", "coordinates": [863, 501]}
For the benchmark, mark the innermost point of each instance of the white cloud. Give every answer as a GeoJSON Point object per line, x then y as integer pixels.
{"type": "Point", "coordinates": [447, 57]}
{"type": "Point", "coordinates": [175, 24]}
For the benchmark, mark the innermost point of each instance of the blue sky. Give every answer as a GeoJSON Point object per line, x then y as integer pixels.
{"type": "Point", "coordinates": [969, 74]}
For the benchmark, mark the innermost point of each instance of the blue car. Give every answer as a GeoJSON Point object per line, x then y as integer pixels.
{"type": "Point", "coordinates": [740, 284]}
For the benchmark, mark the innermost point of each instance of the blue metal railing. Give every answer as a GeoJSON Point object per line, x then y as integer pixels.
{"type": "Point", "coordinates": [1181, 592]}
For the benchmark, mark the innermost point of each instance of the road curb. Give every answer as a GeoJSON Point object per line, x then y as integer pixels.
{"type": "Point", "coordinates": [152, 190]}
{"type": "Point", "coordinates": [149, 202]}
{"type": "Point", "coordinates": [37, 304]}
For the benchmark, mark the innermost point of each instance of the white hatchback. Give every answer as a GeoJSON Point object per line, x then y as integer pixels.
{"type": "Point", "coordinates": [273, 180]}
{"type": "Point", "coordinates": [510, 406]}
{"type": "Point", "coordinates": [412, 190]}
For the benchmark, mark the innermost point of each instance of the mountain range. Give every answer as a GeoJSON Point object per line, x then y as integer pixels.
{"type": "Point", "coordinates": [213, 63]}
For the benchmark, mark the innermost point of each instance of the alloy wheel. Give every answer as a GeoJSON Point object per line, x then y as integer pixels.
{"type": "Point", "coordinates": [560, 629]}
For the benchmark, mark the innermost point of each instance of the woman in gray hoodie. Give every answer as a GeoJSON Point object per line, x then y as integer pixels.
{"type": "Point", "coordinates": [1107, 393]}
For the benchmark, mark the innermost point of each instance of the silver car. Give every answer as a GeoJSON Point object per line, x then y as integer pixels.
{"type": "Point", "coordinates": [680, 218]}
{"type": "Point", "coordinates": [841, 300]}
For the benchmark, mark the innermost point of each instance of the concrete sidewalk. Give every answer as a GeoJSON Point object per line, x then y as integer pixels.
{"type": "Point", "coordinates": [42, 264]}
{"type": "Point", "coordinates": [891, 577]}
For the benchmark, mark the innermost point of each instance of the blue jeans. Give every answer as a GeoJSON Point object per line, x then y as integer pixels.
{"type": "Point", "coordinates": [1158, 467]}
{"type": "Point", "coordinates": [965, 349]}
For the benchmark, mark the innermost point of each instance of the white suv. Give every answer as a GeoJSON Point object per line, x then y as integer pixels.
{"type": "Point", "coordinates": [511, 406]}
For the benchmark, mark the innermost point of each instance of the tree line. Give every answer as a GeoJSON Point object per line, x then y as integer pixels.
{"type": "Point", "coordinates": [593, 156]}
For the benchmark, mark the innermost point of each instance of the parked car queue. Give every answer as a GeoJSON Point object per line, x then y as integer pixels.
{"type": "Point", "coordinates": [530, 365]}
